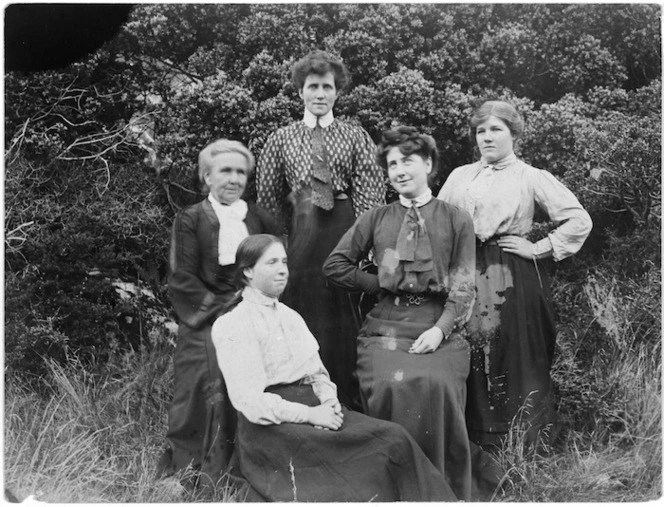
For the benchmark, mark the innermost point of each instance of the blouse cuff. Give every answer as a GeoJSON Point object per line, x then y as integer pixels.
{"type": "Point", "coordinates": [543, 248]}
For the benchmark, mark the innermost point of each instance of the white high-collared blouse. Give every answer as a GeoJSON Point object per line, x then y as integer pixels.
{"type": "Point", "coordinates": [501, 200]}
{"type": "Point", "coordinates": [260, 343]}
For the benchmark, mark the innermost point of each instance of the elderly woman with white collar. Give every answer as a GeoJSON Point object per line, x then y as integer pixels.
{"type": "Point", "coordinates": [317, 175]}
{"type": "Point", "coordinates": [412, 357]}
{"type": "Point", "coordinates": [205, 237]}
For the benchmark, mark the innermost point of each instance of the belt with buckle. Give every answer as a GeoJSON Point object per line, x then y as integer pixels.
{"type": "Point", "coordinates": [407, 299]}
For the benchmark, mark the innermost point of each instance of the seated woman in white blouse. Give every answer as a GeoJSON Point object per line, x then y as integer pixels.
{"type": "Point", "coordinates": [511, 330]}
{"type": "Point", "coordinates": [294, 441]}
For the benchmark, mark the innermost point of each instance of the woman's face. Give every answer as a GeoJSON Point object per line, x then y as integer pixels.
{"type": "Point", "coordinates": [227, 176]}
{"type": "Point", "coordinates": [408, 174]}
{"type": "Point", "coordinates": [270, 273]}
{"type": "Point", "coordinates": [494, 139]}
{"type": "Point", "coordinates": [319, 93]}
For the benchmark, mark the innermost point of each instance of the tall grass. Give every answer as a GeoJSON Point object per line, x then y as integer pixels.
{"type": "Point", "coordinates": [611, 446]}
{"type": "Point", "coordinates": [97, 437]}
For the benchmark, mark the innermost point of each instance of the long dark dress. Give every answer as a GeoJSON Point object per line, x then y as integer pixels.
{"type": "Point", "coordinates": [512, 329]}
{"type": "Point", "coordinates": [273, 371]}
{"type": "Point", "coordinates": [201, 420]}
{"type": "Point", "coordinates": [284, 188]}
{"type": "Point", "coordinates": [425, 393]}
{"type": "Point", "coordinates": [512, 380]}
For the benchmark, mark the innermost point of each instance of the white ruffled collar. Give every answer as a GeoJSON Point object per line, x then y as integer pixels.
{"type": "Point", "coordinates": [419, 201]}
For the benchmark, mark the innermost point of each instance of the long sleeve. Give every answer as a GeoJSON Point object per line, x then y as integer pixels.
{"type": "Point", "coordinates": [573, 223]}
{"type": "Point", "coordinates": [194, 303]}
{"type": "Point", "coordinates": [342, 265]}
{"type": "Point", "coordinates": [503, 202]}
{"type": "Point", "coordinates": [262, 343]}
{"type": "Point", "coordinates": [461, 275]}
{"type": "Point", "coordinates": [272, 186]}
{"type": "Point", "coordinates": [241, 362]}
{"type": "Point", "coordinates": [368, 182]}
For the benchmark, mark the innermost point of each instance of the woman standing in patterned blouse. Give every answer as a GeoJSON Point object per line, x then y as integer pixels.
{"type": "Point", "coordinates": [318, 175]}
{"type": "Point", "coordinates": [413, 359]}
{"type": "Point", "coordinates": [511, 330]}
{"type": "Point", "coordinates": [285, 402]}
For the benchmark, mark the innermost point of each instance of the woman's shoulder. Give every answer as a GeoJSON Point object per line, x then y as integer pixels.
{"type": "Point", "coordinates": [232, 324]}
{"type": "Point", "coordinates": [348, 128]}
{"type": "Point", "coordinates": [192, 213]}
{"type": "Point", "coordinates": [380, 211]}
{"type": "Point", "coordinates": [258, 210]}
{"type": "Point", "coordinates": [466, 167]}
{"type": "Point", "coordinates": [287, 131]}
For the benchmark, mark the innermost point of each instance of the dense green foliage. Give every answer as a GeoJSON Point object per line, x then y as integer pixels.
{"type": "Point", "coordinates": [101, 154]}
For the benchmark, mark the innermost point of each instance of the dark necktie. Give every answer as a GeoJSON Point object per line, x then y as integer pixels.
{"type": "Point", "coordinates": [413, 245]}
{"type": "Point", "coordinates": [321, 182]}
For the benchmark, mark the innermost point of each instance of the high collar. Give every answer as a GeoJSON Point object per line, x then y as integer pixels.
{"type": "Point", "coordinates": [310, 119]}
{"type": "Point", "coordinates": [500, 164]}
{"type": "Point", "coordinates": [239, 208]}
{"type": "Point", "coordinates": [419, 201]}
{"type": "Point", "coordinates": [255, 296]}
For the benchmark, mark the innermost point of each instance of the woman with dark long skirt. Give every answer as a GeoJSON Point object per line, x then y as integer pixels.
{"type": "Point", "coordinates": [317, 175]}
{"type": "Point", "coordinates": [201, 420]}
{"type": "Point", "coordinates": [295, 442]}
{"type": "Point", "coordinates": [413, 358]}
{"type": "Point", "coordinates": [511, 330]}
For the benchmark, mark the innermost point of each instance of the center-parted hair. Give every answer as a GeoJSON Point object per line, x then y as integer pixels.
{"type": "Point", "coordinates": [502, 110]}
{"type": "Point", "coordinates": [218, 147]}
{"type": "Point", "coordinates": [251, 249]}
{"type": "Point", "coordinates": [320, 63]}
{"type": "Point", "coordinates": [410, 141]}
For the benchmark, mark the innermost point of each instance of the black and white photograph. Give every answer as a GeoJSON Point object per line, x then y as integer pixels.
{"type": "Point", "coordinates": [332, 252]}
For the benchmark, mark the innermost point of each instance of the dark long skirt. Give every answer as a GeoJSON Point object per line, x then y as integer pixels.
{"type": "Point", "coordinates": [366, 460]}
{"type": "Point", "coordinates": [327, 310]}
{"type": "Point", "coordinates": [512, 337]}
{"type": "Point", "coordinates": [424, 393]}
{"type": "Point", "coordinates": [201, 419]}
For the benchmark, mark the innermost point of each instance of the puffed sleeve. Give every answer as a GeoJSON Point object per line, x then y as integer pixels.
{"type": "Point", "coordinates": [271, 179]}
{"type": "Point", "coordinates": [193, 302]}
{"type": "Point", "coordinates": [573, 223]}
{"type": "Point", "coordinates": [368, 182]}
{"type": "Point", "coordinates": [341, 266]}
{"type": "Point", "coordinates": [461, 275]}
{"type": "Point", "coordinates": [241, 363]}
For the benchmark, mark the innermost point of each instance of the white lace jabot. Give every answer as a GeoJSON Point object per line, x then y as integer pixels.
{"type": "Point", "coordinates": [232, 229]}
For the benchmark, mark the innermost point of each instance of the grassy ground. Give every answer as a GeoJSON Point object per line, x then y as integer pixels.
{"type": "Point", "coordinates": [97, 438]}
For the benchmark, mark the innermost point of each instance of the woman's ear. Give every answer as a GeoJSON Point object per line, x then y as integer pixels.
{"type": "Point", "coordinates": [429, 164]}
{"type": "Point", "coordinates": [248, 273]}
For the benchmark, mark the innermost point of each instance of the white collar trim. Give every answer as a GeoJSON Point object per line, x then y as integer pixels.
{"type": "Point", "coordinates": [419, 201]}
{"type": "Point", "coordinates": [310, 119]}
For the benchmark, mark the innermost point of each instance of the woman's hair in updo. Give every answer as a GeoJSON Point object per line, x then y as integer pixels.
{"type": "Point", "coordinates": [501, 110]}
{"type": "Point", "coordinates": [251, 249]}
{"type": "Point", "coordinates": [320, 63]}
{"type": "Point", "coordinates": [207, 154]}
{"type": "Point", "coordinates": [410, 141]}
